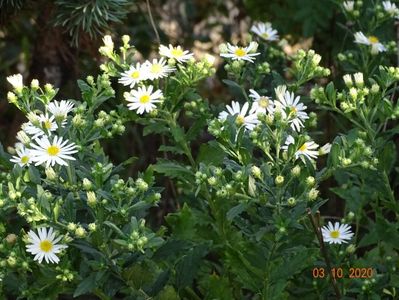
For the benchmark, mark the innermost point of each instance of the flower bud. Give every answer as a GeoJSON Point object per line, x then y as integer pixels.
{"type": "Point", "coordinates": [279, 180]}
{"type": "Point", "coordinates": [11, 239]}
{"type": "Point", "coordinates": [92, 227]}
{"type": "Point", "coordinates": [310, 181]}
{"type": "Point", "coordinates": [313, 194]}
{"type": "Point", "coordinates": [50, 174]}
{"type": "Point", "coordinates": [87, 185]}
{"type": "Point", "coordinates": [348, 80]}
{"type": "Point", "coordinates": [141, 185]}
{"type": "Point", "coordinates": [296, 171]}
{"type": "Point", "coordinates": [359, 81]}
{"type": "Point", "coordinates": [80, 232]}
{"type": "Point", "coordinates": [71, 226]}
{"type": "Point", "coordinates": [212, 181]}
{"type": "Point", "coordinates": [91, 198]}
{"type": "Point", "coordinates": [291, 201]}
{"type": "Point", "coordinates": [256, 172]}
{"type": "Point", "coordinates": [34, 84]}
{"type": "Point", "coordinates": [126, 40]}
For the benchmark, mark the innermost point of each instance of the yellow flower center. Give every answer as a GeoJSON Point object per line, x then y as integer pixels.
{"type": "Point", "coordinates": [373, 39]}
{"type": "Point", "coordinates": [156, 68]}
{"type": "Point", "coordinates": [177, 52]}
{"type": "Point", "coordinates": [46, 246]}
{"type": "Point", "coordinates": [303, 147]}
{"type": "Point", "coordinates": [135, 74]}
{"type": "Point", "coordinates": [334, 234]}
{"type": "Point", "coordinates": [265, 35]}
{"type": "Point", "coordinates": [144, 99]}
{"type": "Point", "coordinates": [24, 159]}
{"type": "Point", "coordinates": [240, 52]}
{"type": "Point", "coordinates": [264, 102]}
{"type": "Point", "coordinates": [53, 150]}
{"type": "Point", "coordinates": [47, 124]}
{"type": "Point", "coordinates": [240, 120]}
{"type": "Point", "coordinates": [293, 110]}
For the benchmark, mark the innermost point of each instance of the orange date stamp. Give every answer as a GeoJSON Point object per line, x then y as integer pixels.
{"type": "Point", "coordinates": [344, 273]}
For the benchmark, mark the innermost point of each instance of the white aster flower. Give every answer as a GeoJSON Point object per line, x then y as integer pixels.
{"type": "Point", "coordinates": [337, 233]}
{"type": "Point", "coordinates": [16, 81]}
{"type": "Point", "coordinates": [371, 40]}
{"type": "Point", "coordinates": [143, 99]}
{"type": "Point", "coordinates": [390, 7]}
{"type": "Point", "coordinates": [241, 53]}
{"type": "Point", "coordinates": [244, 116]}
{"type": "Point", "coordinates": [264, 103]}
{"type": "Point", "coordinates": [134, 75]}
{"type": "Point", "coordinates": [44, 245]}
{"type": "Point", "coordinates": [176, 53]}
{"type": "Point", "coordinates": [265, 31]}
{"type": "Point", "coordinates": [23, 157]}
{"type": "Point", "coordinates": [158, 68]}
{"type": "Point", "coordinates": [349, 6]}
{"type": "Point", "coordinates": [325, 149]}
{"type": "Point", "coordinates": [291, 109]}
{"type": "Point", "coordinates": [60, 109]}
{"type": "Point", "coordinates": [308, 149]}
{"type": "Point", "coordinates": [52, 152]}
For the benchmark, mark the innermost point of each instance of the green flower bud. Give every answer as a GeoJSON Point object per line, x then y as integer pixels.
{"type": "Point", "coordinates": [91, 198]}
{"type": "Point", "coordinates": [80, 232]}
{"type": "Point", "coordinates": [351, 249]}
{"type": "Point", "coordinates": [92, 226]}
{"type": "Point", "coordinates": [141, 185]}
{"type": "Point", "coordinates": [279, 180]}
{"type": "Point", "coordinates": [212, 181]}
{"type": "Point", "coordinates": [313, 194]}
{"type": "Point", "coordinates": [296, 171]}
{"type": "Point", "coordinates": [310, 181]}
{"type": "Point", "coordinates": [71, 226]}
{"type": "Point", "coordinates": [87, 185]}
{"type": "Point", "coordinates": [256, 172]}
{"type": "Point", "coordinates": [291, 201]}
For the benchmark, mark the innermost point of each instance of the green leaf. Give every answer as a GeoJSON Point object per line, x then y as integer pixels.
{"type": "Point", "coordinates": [236, 211]}
{"type": "Point", "coordinates": [173, 169]}
{"type": "Point", "coordinates": [234, 87]}
{"type": "Point", "coordinates": [86, 286]}
{"type": "Point", "coordinates": [115, 228]}
{"type": "Point", "coordinates": [210, 154]}
{"type": "Point", "coordinates": [188, 265]}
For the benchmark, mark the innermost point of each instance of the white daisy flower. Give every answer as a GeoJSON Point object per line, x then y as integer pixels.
{"type": "Point", "coordinates": [158, 69]}
{"type": "Point", "coordinates": [16, 81]}
{"type": "Point", "coordinates": [60, 109]}
{"type": "Point", "coordinates": [265, 31]}
{"type": "Point", "coordinates": [291, 108]}
{"type": "Point", "coordinates": [264, 103]}
{"type": "Point", "coordinates": [349, 6]}
{"type": "Point", "coordinates": [23, 157]}
{"type": "Point", "coordinates": [143, 99]}
{"type": "Point", "coordinates": [308, 149]}
{"type": "Point", "coordinates": [371, 40]}
{"type": "Point", "coordinates": [176, 53]}
{"type": "Point", "coordinates": [245, 116]}
{"type": "Point", "coordinates": [390, 7]}
{"type": "Point", "coordinates": [44, 245]}
{"type": "Point", "coordinates": [134, 75]}
{"type": "Point", "coordinates": [337, 233]}
{"type": "Point", "coordinates": [52, 152]}
{"type": "Point", "coordinates": [241, 53]}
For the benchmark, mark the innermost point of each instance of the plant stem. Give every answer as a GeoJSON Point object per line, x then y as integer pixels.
{"type": "Point", "coordinates": [323, 250]}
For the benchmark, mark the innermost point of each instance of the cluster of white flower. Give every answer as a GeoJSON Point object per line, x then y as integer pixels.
{"type": "Point", "coordinates": [287, 105]}
{"type": "Point", "coordinates": [143, 98]}
{"type": "Point", "coordinates": [37, 142]}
